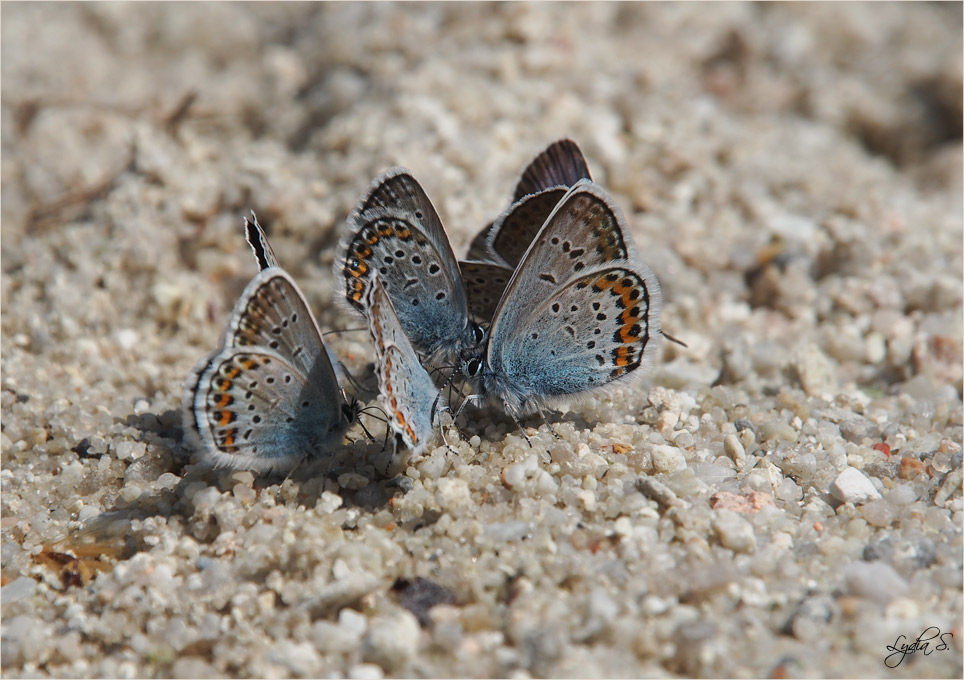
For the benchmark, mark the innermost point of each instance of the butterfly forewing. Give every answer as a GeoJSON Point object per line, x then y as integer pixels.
{"type": "Point", "coordinates": [260, 247]}
{"type": "Point", "coordinates": [560, 164]}
{"type": "Point", "coordinates": [543, 182]}
{"type": "Point", "coordinates": [273, 314]}
{"type": "Point", "coordinates": [585, 230]}
{"type": "Point", "coordinates": [514, 230]}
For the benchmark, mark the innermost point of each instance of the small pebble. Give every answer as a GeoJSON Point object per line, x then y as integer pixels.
{"type": "Point", "coordinates": [365, 671]}
{"type": "Point", "coordinates": [329, 502]}
{"type": "Point", "coordinates": [911, 467]}
{"type": "Point", "coordinates": [656, 491]}
{"type": "Point", "coordinates": [391, 641]}
{"type": "Point", "coordinates": [352, 481]}
{"type": "Point", "coordinates": [852, 486]}
{"type": "Point", "coordinates": [874, 581]}
{"type": "Point", "coordinates": [816, 372]}
{"type": "Point", "coordinates": [775, 430]}
{"type": "Point", "coordinates": [734, 531]}
{"type": "Point", "coordinates": [18, 589]}
{"type": "Point", "coordinates": [735, 450]}
{"type": "Point", "coordinates": [668, 459]}
{"type": "Point", "coordinates": [879, 513]}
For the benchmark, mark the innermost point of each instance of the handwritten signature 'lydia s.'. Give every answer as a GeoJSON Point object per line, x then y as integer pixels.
{"type": "Point", "coordinates": [901, 650]}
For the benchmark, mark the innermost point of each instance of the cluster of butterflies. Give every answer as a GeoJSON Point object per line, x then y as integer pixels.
{"type": "Point", "coordinates": [551, 304]}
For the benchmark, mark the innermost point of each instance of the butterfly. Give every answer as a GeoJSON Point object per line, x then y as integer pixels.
{"type": "Point", "coordinates": [269, 396]}
{"type": "Point", "coordinates": [395, 233]}
{"type": "Point", "coordinates": [580, 313]}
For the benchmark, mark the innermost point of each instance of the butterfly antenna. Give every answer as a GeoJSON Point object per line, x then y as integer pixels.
{"type": "Point", "coordinates": [437, 370]}
{"type": "Point", "coordinates": [672, 339]}
{"type": "Point", "coordinates": [352, 380]}
{"type": "Point", "coordinates": [370, 412]}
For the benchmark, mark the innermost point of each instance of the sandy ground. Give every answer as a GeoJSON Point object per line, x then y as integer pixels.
{"type": "Point", "coordinates": [792, 174]}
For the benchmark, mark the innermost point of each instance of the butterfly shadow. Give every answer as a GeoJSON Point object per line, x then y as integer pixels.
{"type": "Point", "coordinates": [171, 483]}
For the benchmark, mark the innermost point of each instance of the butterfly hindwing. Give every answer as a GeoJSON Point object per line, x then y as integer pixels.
{"type": "Point", "coordinates": [592, 331]}
{"type": "Point", "coordinates": [484, 284]}
{"type": "Point", "coordinates": [407, 393]}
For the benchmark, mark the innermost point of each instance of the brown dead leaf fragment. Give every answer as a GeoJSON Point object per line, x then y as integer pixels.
{"type": "Point", "coordinates": [80, 567]}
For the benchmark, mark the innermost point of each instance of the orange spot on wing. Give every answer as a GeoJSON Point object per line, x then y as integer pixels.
{"type": "Point", "coordinates": [399, 417]}
{"type": "Point", "coordinates": [622, 356]}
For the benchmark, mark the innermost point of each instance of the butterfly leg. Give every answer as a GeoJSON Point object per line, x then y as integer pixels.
{"type": "Point", "coordinates": [517, 424]}
{"type": "Point", "coordinates": [294, 467]}
{"type": "Point", "coordinates": [441, 432]}
{"type": "Point", "coordinates": [548, 424]}
{"type": "Point", "coordinates": [477, 398]}
{"type": "Point", "coordinates": [395, 442]}
{"type": "Point", "coordinates": [365, 430]}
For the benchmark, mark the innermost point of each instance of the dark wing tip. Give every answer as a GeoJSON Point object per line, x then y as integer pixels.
{"type": "Point", "coordinates": [562, 163]}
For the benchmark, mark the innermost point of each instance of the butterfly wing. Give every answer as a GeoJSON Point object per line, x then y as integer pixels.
{"type": "Point", "coordinates": [596, 329]}
{"type": "Point", "coordinates": [584, 230]}
{"type": "Point", "coordinates": [479, 248]}
{"type": "Point", "coordinates": [407, 393]}
{"type": "Point", "coordinates": [484, 284]}
{"type": "Point", "coordinates": [513, 231]}
{"type": "Point", "coordinates": [256, 238]}
{"type": "Point", "coordinates": [543, 183]}
{"type": "Point", "coordinates": [580, 312]}
{"type": "Point", "coordinates": [269, 396]}
{"type": "Point", "coordinates": [395, 232]}
{"type": "Point", "coordinates": [560, 164]}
